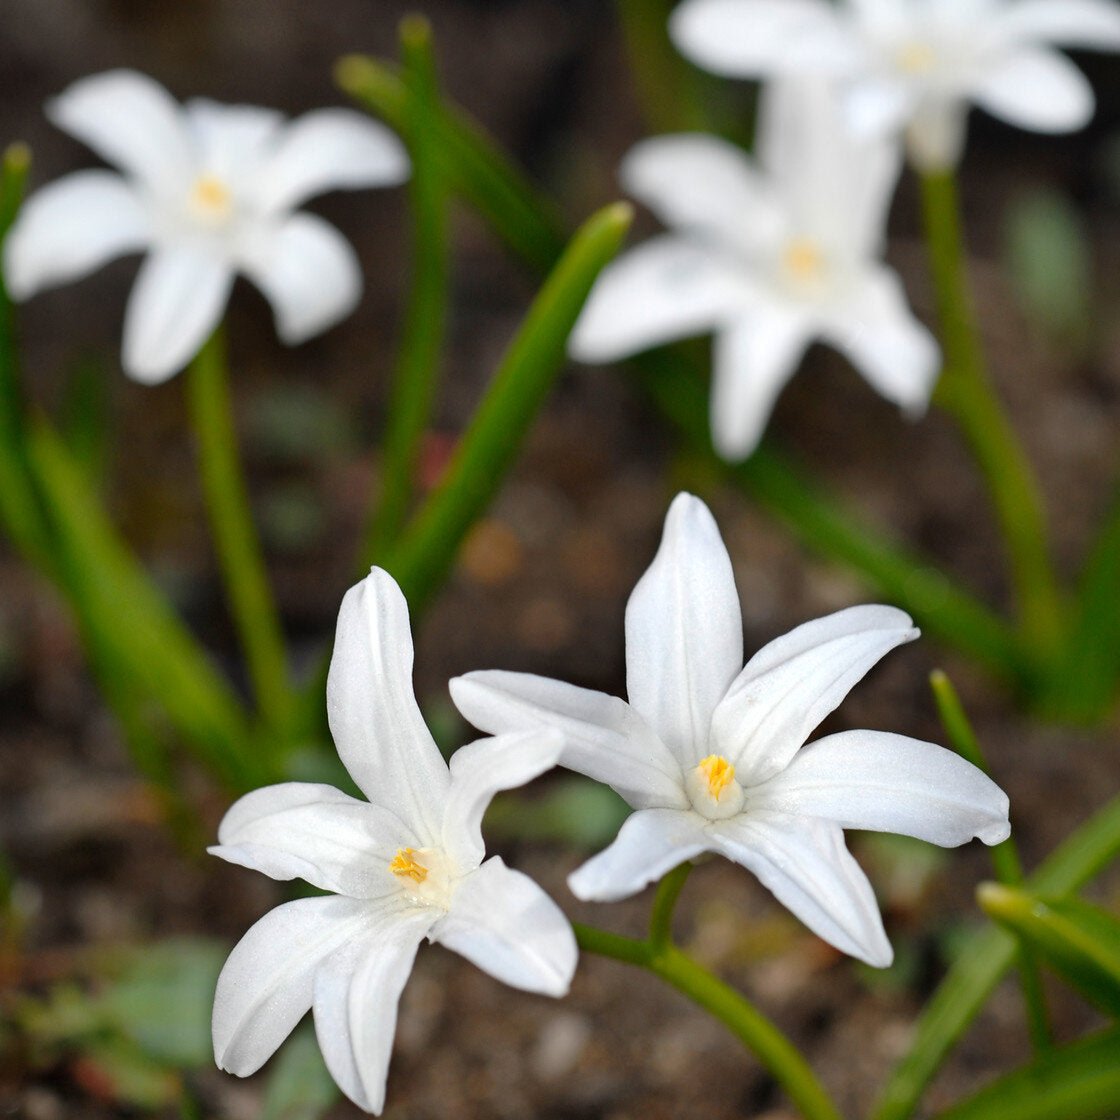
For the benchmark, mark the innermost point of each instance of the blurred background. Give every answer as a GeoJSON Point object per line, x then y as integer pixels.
{"type": "Point", "coordinates": [92, 875]}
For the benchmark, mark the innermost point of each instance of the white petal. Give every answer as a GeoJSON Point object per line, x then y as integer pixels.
{"type": "Point", "coordinates": [1038, 89]}
{"type": "Point", "coordinates": [356, 993]}
{"type": "Point", "coordinates": [176, 302]}
{"type": "Point", "coordinates": [793, 682]}
{"type": "Point", "coordinates": [752, 361]}
{"type": "Point", "coordinates": [232, 140]}
{"type": "Point", "coordinates": [877, 105]}
{"type": "Point", "coordinates": [314, 832]}
{"type": "Point", "coordinates": [684, 632]}
{"type": "Point", "coordinates": [810, 871]}
{"type": "Point", "coordinates": [604, 737]}
{"type": "Point", "coordinates": [133, 122]}
{"type": "Point", "coordinates": [879, 334]}
{"type": "Point", "coordinates": [937, 132]}
{"type": "Point", "coordinates": [699, 182]}
{"type": "Point", "coordinates": [503, 922]}
{"type": "Point", "coordinates": [330, 149]}
{"type": "Point", "coordinates": [265, 987]}
{"type": "Point", "coordinates": [309, 272]}
{"type": "Point", "coordinates": [71, 227]}
{"type": "Point", "coordinates": [481, 769]}
{"type": "Point", "coordinates": [1085, 24]}
{"type": "Point", "coordinates": [649, 845]}
{"type": "Point", "coordinates": [377, 726]}
{"type": "Point", "coordinates": [890, 783]}
{"type": "Point", "coordinates": [666, 289]}
{"type": "Point", "coordinates": [757, 38]}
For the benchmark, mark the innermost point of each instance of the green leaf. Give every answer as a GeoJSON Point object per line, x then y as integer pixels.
{"type": "Point", "coordinates": [1079, 940]}
{"type": "Point", "coordinates": [112, 1068]}
{"type": "Point", "coordinates": [299, 1086]}
{"type": "Point", "coordinates": [1078, 1082]}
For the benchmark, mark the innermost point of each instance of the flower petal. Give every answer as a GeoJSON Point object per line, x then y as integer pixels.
{"type": "Point", "coordinates": [72, 227]}
{"type": "Point", "coordinates": [684, 632]}
{"type": "Point", "coordinates": [317, 833]}
{"type": "Point", "coordinates": [806, 865]}
{"type": "Point", "coordinates": [649, 845]}
{"type": "Point", "coordinates": [1038, 89]}
{"type": "Point", "coordinates": [232, 140]}
{"type": "Point", "coordinates": [1084, 24]}
{"type": "Point", "coordinates": [265, 986]}
{"type": "Point", "coordinates": [483, 768]}
{"type": "Point", "coordinates": [666, 289]}
{"type": "Point", "coordinates": [330, 149]}
{"type": "Point", "coordinates": [377, 726]}
{"type": "Point", "coordinates": [758, 38]}
{"type": "Point", "coordinates": [890, 783]}
{"type": "Point", "coordinates": [176, 302]}
{"type": "Point", "coordinates": [793, 682]}
{"type": "Point", "coordinates": [308, 271]}
{"type": "Point", "coordinates": [699, 182]}
{"type": "Point", "coordinates": [356, 993]}
{"type": "Point", "coordinates": [752, 362]}
{"type": "Point", "coordinates": [131, 121]}
{"type": "Point", "coordinates": [604, 737]}
{"type": "Point", "coordinates": [503, 922]}
{"type": "Point", "coordinates": [879, 334]}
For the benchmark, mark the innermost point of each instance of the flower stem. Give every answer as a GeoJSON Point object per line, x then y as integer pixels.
{"type": "Point", "coordinates": [239, 551]}
{"type": "Point", "coordinates": [664, 902]}
{"type": "Point", "coordinates": [746, 1022]}
{"type": "Point", "coordinates": [966, 393]}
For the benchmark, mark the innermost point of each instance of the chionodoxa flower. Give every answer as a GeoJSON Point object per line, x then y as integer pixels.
{"type": "Point", "coordinates": [770, 256]}
{"type": "Point", "coordinates": [209, 190]}
{"type": "Point", "coordinates": [914, 64]}
{"type": "Point", "coordinates": [405, 865]}
{"type": "Point", "coordinates": [710, 754]}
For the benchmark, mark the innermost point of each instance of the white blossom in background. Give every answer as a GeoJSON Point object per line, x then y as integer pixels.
{"type": "Point", "coordinates": [770, 256]}
{"type": "Point", "coordinates": [208, 191]}
{"type": "Point", "coordinates": [406, 865]}
{"type": "Point", "coordinates": [914, 65]}
{"type": "Point", "coordinates": [710, 754]}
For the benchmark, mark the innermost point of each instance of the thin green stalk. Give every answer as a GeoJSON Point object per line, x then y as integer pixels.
{"type": "Point", "coordinates": [966, 393]}
{"type": "Point", "coordinates": [746, 1022]}
{"type": "Point", "coordinates": [238, 549]}
{"type": "Point", "coordinates": [415, 380]}
{"type": "Point", "coordinates": [1005, 857]}
{"type": "Point", "coordinates": [981, 963]}
{"type": "Point", "coordinates": [664, 902]}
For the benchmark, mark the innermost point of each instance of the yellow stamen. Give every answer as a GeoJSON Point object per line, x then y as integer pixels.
{"type": "Point", "coordinates": [718, 772]}
{"type": "Point", "coordinates": [803, 259]}
{"type": "Point", "coordinates": [406, 867]}
{"type": "Point", "coordinates": [211, 195]}
{"type": "Point", "coordinates": [916, 58]}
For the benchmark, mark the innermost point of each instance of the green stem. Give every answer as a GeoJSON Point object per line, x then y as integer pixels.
{"type": "Point", "coordinates": [664, 902]}
{"type": "Point", "coordinates": [239, 551]}
{"type": "Point", "coordinates": [1005, 857]}
{"type": "Point", "coordinates": [749, 1025]}
{"type": "Point", "coordinates": [966, 393]}
{"type": "Point", "coordinates": [416, 372]}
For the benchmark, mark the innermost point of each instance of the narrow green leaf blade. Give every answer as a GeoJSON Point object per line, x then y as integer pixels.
{"type": "Point", "coordinates": [1079, 940]}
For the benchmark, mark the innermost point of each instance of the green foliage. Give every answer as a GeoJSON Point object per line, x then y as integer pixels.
{"type": "Point", "coordinates": [299, 1086]}
{"type": "Point", "coordinates": [574, 811]}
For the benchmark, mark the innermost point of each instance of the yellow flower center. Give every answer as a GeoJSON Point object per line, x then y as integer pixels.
{"type": "Point", "coordinates": [211, 199]}
{"type": "Point", "coordinates": [406, 866]}
{"type": "Point", "coordinates": [916, 58]}
{"type": "Point", "coordinates": [712, 789]}
{"type": "Point", "coordinates": [803, 261]}
{"type": "Point", "coordinates": [719, 774]}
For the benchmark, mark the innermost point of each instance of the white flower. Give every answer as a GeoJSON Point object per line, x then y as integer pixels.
{"type": "Point", "coordinates": [769, 257]}
{"type": "Point", "coordinates": [405, 865]}
{"type": "Point", "coordinates": [710, 753]}
{"type": "Point", "coordinates": [914, 64]}
{"type": "Point", "coordinates": [209, 191]}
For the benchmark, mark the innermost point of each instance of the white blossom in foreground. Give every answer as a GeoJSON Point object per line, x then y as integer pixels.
{"type": "Point", "coordinates": [406, 865]}
{"type": "Point", "coordinates": [711, 754]}
{"type": "Point", "coordinates": [914, 64]}
{"type": "Point", "coordinates": [771, 257]}
{"type": "Point", "coordinates": [208, 191]}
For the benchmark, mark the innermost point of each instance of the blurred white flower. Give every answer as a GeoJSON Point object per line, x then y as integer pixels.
{"type": "Point", "coordinates": [770, 257]}
{"type": "Point", "coordinates": [914, 64]}
{"type": "Point", "coordinates": [710, 753]}
{"type": "Point", "coordinates": [404, 865]}
{"type": "Point", "coordinates": [209, 190]}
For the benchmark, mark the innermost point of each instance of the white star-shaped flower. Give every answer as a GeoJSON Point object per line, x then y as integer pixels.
{"type": "Point", "coordinates": [771, 256]}
{"type": "Point", "coordinates": [209, 191]}
{"type": "Point", "coordinates": [405, 865]}
{"type": "Point", "coordinates": [710, 754]}
{"type": "Point", "coordinates": [914, 64]}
